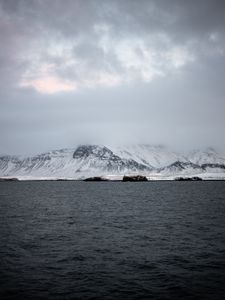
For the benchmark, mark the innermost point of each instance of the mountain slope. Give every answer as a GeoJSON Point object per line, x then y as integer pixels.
{"type": "Point", "coordinates": [153, 156]}
{"type": "Point", "coordinates": [205, 156]}
{"type": "Point", "coordinates": [97, 160]}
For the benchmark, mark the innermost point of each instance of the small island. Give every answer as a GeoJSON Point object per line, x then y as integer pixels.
{"type": "Point", "coordinates": [195, 178]}
{"type": "Point", "coordinates": [134, 178]}
{"type": "Point", "coordinates": [96, 178]}
{"type": "Point", "coordinates": [8, 179]}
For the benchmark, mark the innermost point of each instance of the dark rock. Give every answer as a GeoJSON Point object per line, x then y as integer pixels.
{"type": "Point", "coordinates": [195, 178]}
{"type": "Point", "coordinates": [182, 179]}
{"type": "Point", "coordinates": [179, 165]}
{"type": "Point", "coordinates": [209, 165]}
{"type": "Point", "coordinates": [135, 178]}
{"type": "Point", "coordinates": [108, 160]}
{"type": "Point", "coordinates": [9, 179]}
{"type": "Point", "coordinates": [96, 179]}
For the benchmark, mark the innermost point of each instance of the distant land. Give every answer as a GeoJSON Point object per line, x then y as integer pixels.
{"type": "Point", "coordinates": [112, 163]}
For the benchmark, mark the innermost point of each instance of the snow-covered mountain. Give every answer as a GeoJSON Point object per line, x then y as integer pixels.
{"type": "Point", "coordinates": [96, 160]}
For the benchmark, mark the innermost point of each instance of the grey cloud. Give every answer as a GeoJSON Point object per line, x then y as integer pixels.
{"type": "Point", "coordinates": [181, 22]}
{"type": "Point", "coordinates": [78, 40]}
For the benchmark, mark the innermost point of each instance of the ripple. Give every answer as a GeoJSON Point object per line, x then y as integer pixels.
{"type": "Point", "coordinates": [161, 241]}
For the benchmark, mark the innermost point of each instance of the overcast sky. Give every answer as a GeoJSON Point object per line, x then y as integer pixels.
{"type": "Point", "coordinates": [111, 72]}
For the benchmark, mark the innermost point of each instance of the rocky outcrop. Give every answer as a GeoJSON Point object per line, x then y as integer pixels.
{"type": "Point", "coordinates": [135, 178]}
{"type": "Point", "coordinates": [9, 179]}
{"type": "Point", "coordinates": [195, 178]}
{"type": "Point", "coordinates": [102, 158]}
{"type": "Point", "coordinates": [96, 178]}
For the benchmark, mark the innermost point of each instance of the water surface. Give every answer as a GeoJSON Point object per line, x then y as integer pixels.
{"type": "Point", "coordinates": [109, 240]}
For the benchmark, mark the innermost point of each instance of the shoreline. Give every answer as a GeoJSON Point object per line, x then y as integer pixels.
{"type": "Point", "coordinates": [2, 179]}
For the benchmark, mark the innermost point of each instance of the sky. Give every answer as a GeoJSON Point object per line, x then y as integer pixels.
{"type": "Point", "coordinates": [111, 72]}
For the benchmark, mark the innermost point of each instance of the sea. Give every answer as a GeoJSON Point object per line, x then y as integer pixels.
{"type": "Point", "coordinates": [112, 240]}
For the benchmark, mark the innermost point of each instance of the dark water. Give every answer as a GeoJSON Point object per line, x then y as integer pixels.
{"type": "Point", "coordinates": [89, 240]}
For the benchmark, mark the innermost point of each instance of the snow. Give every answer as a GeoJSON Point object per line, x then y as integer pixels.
{"type": "Point", "coordinates": [155, 162]}
{"type": "Point", "coordinates": [205, 156]}
{"type": "Point", "coordinates": [154, 156]}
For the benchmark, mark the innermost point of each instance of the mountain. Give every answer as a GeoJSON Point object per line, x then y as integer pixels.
{"type": "Point", "coordinates": [97, 160]}
{"type": "Point", "coordinates": [205, 156]}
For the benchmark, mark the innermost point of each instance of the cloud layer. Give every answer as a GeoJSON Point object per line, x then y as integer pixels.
{"type": "Point", "coordinates": [74, 71]}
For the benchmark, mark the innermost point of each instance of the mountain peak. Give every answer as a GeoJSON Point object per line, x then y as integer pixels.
{"type": "Point", "coordinates": [97, 160]}
{"type": "Point", "coordinates": [84, 151]}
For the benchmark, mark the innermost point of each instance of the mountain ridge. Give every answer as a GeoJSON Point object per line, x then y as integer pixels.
{"type": "Point", "coordinates": [100, 160]}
